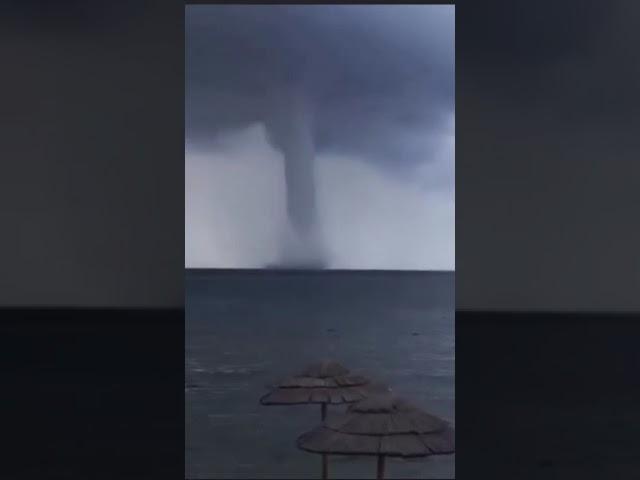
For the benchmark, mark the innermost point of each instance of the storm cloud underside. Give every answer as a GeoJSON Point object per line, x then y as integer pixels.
{"type": "Point", "coordinates": [370, 84]}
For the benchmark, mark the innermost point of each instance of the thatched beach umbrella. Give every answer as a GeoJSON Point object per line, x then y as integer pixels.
{"type": "Point", "coordinates": [323, 383]}
{"type": "Point", "coordinates": [384, 426]}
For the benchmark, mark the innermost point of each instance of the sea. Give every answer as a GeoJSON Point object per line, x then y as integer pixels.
{"type": "Point", "coordinates": [245, 329]}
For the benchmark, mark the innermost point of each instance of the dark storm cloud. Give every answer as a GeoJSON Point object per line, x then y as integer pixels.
{"type": "Point", "coordinates": [371, 73]}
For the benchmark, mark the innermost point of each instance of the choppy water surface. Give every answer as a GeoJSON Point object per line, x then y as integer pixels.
{"type": "Point", "coordinates": [246, 329]}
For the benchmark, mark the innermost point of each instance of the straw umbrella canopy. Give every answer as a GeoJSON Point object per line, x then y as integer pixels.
{"type": "Point", "coordinates": [381, 426]}
{"type": "Point", "coordinates": [322, 383]}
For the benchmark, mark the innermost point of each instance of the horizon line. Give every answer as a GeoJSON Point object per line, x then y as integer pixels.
{"type": "Point", "coordinates": [318, 270]}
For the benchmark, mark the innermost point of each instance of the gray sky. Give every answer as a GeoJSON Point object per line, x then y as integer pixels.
{"type": "Point", "coordinates": [380, 82]}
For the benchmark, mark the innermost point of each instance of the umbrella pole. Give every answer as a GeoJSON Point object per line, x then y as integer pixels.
{"type": "Point", "coordinates": [325, 458]}
{"type": "Point", "coordinates": [325, 466]}
{"type": "Point", "coordinates": [380, 467]}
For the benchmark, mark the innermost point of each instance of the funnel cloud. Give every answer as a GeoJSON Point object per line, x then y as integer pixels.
{"type": "Point", "coordinates": [289, 129]}
{"type": "Point", "coordinates": [322, 87]}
